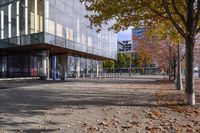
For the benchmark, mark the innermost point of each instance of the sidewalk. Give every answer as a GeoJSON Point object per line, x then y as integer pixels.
{"type": "Point", "coordinates": [23, 78]}
{"type": "Point", "coordinates": [96, 105]}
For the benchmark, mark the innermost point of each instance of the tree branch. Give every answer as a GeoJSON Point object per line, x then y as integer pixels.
{"type": "Point", "coordinates": [177, 12]}
{"type": "Point", "coordinates": [172, 19]}
{"type": "Point", "coordinates": [198, 30]}
{"type": "Point", "coordinates": [158, 13]}
{"type": "Point", "coordinates": [182, 58]}
{"type": "Point", "coordinates": [196, 18]}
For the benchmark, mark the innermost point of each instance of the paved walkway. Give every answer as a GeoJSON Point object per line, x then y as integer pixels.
{"type": "Point", "coordinates": [106, 105]}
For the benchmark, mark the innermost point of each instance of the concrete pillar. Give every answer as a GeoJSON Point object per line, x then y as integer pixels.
{"type": "Point", "coordinates": [45, 65]}
{"type": "Point", "coordinates": [54, 67]}
{"type": "Point", "coordinates": [92, 69]}
{"type": "Point", "coordinates": [86, 67]}
{"type": "Point", "coordinates": [64, 67]}
{"type": "Point", "coordinates": [78, 68]}
{"type": "Point", "coordinates": [4, 67]}
{"type": "Point", "coordinates": [97, 69]}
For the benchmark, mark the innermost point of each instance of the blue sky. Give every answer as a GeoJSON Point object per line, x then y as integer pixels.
{"type": "Point", "coordinates": [124, 35]}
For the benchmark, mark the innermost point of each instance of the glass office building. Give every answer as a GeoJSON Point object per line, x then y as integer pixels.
{"type": "Point", "coordinates": [44, 38]}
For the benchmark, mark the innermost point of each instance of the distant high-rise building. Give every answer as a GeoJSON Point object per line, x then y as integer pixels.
{"type": "Point", "coordinates": [137, 33]}
{"type": "Point", "coordinates": [125, 46]}
{"type": "Point", "coordinates": [120, 46]}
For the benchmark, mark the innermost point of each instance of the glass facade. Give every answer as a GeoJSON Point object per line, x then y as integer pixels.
{"type": "Point", "coordinates": [58, 27]}
{"type": "Point", "coordinates": [82, 67]}
{"type": "Point", "coordinates": [66, 26]}
{"type": "Point", "coordinates": [21, 65]}
{"type": "Point", "coordinates": [21, 22]}
{"type": "Point", "coordinates": [56, 22]}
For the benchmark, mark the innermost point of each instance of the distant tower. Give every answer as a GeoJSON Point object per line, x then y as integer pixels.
{"type": "Point", "coordinates": [137, 33]}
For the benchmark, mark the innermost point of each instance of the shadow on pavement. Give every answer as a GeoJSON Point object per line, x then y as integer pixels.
{"type": "Point", "coordinates": [15, 101]}
{"type": "Point", "coordinates": [25, 83]}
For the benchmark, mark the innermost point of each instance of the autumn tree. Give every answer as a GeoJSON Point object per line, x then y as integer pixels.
{"type": "Point", "coordinates": [183, 14]}
{"type": "Point", "coordinates": [109, 65]}
{"type": "Point", "coordinates": [156, 51]}
{"type": "Point", "coordinates": [166, 34]}
{"type": "Point", "coordinates": [161, 43]}
{"type": "Point", "coordinates": [123, 60]}
{"type": "Point", "coordinates": [144, 52]}
{"type": "Point", "coordinates": [128, 58]}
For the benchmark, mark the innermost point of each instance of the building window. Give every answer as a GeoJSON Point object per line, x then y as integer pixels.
{"type": "Point", "coordinates": [69, 34]}
{"type": "Point", "coordinates": [51, 26]}
{"type": "Point", "coordinates": [17, 19]}
{"type": "Point", "coordinates": [89, 41]}
{"type": "Point", "coordinates": [36, 16]}
{"type": "Point", "coordinates": [59, 30]}
{"type": "Point", "coordinates": [78, 31]}
{"type": "Point", "coordinates": [2, 24]}
{"type": "Point", "coordinates": [83, 39]}
{"type": "Point", "coordinates": [32, 23]}
{"type": "Point", "coordinates": [40, 21]}
{"type": "Point", "coordinates": [49, 17]}
{"type": "Point", "coordinates": [40, 16]}
{"type": "Point", "coordinates": [9, 21]}
{"type": "Point", "coordinates": [26, 17]}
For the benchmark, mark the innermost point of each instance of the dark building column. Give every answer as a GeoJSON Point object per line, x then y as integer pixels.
{"type": "Point", "coordinates": [54, 67]}
{"type": "Point", "coordinates": [64, 67]}
{"type": "Point", "coordinates": [86, 68]}
{"type": "Point", "coordinates": [48, 65]}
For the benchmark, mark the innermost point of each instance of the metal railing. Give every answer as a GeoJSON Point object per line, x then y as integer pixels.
{"type": "Point", "coordinates": [128, 75]}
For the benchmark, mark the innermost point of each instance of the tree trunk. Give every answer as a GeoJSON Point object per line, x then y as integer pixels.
{"type": "Point", "coordinates": [174, 69]}
{"type": "Point", "coordinates": [179, 85]}
{"type": "Point", "coordinates": [199, 70]}
{"type": "Point", "coordinates": [189, 80]}
{"type": "Point", "coordinates": [130, 65]}
{"type": "Point", "coordinates": [170, 69]}
{"type": "Point", "coordinates": [170, 65]}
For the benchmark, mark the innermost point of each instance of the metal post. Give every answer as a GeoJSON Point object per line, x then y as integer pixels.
{"type": "Point", "coordinates": [47, 61]}
{"type": "Point", "coordinates": [54, 67]}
